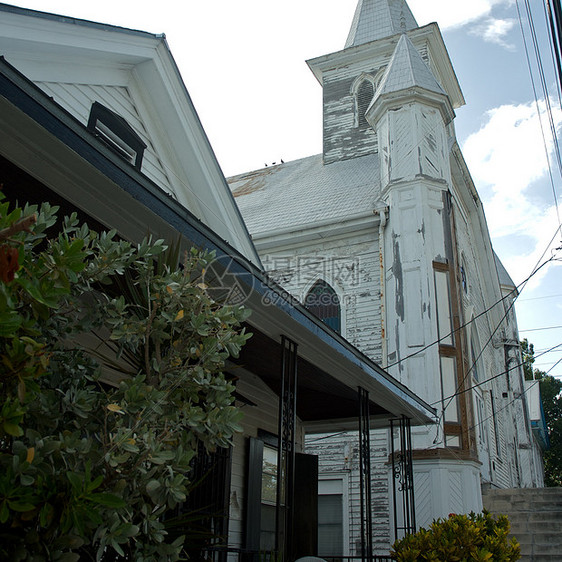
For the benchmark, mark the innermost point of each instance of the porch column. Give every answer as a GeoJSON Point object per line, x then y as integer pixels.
{"type": "Point", "coordinates": [403, 477]}
{"type": "Point", "coordinates": [286, 450]}
{"type": "Point", "coordinates": [365, 477]}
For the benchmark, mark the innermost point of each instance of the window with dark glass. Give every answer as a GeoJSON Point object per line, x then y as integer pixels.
{"type": "Point", "coordinates": [116, 133]}
{"type": "Point", "coordinates": [268, 498]}
{"type": "Point", "coordinates": [495, 422]}
{"type": "Point", "coordinates": [464, 281]}
{"type": "Point", "coordinates": [323, 301]}
{"type": "Point", "coordinates": [262, 496]}
{"type": "Point", "coordinates": [365, 95]}
{"type": "Point", "coordinates": [330, 525]}
{"type": "Point", "coordinates": [264, 537]}
{"type": "Point", "coordinates": [474, 360]}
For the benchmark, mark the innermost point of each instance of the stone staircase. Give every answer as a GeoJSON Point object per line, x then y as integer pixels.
{"type": "Point", "coordinates": [535, 515]}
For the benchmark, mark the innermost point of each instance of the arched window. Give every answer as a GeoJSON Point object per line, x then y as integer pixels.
{"type": "Point", "coordinates": [323, 301]}
{"type": "Point", "coordinates": [464, 276]}
{"type": "Point", "coordinates": [474, 354]}
{"type": "Point", "coordinates": [365, 94]}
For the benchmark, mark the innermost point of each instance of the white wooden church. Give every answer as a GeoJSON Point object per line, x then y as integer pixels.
{"type": "Point", "coordinates": [408, 319]}
{"type": "Point", "coordinates": [384, 237]}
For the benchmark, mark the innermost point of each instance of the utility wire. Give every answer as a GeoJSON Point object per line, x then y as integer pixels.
{"type": "Point", "coordinates": [551, 349]}
{"type": "Point", "coordinates": [525, 390]}
{"type": "Point", "coordinates": [544, 85]}
{"type": "Point", "coordinates": [547, 100]}
{"type": "Point", "coordinates": [511, 305]}
{"type": "Point", "coordinates": [435, 443]}
{"type": "Point", "coordinates": [475, 361]}
{"type": "Point", "coordinates": [511, 294]}
{"type": "Point", "coordinates": [558, 22]}
{"type": "Point", "coordinates": [554, 42]}
{"type": "Point", "coordinates": [541, 329]}
{"type": "Point", "coordinates": [541, 298]}
{"type": "Point", "coordinates": [498, 375]}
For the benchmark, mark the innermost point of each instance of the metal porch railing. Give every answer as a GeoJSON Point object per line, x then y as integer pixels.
{"type": "Point", "coordinates": [231, 554]}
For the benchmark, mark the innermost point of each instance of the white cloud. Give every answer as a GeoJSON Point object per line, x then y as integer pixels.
{"type": "Point", "coordinates": [495, 31]}
{"type": "Point", "coordinates": [521, 266]}
{"type": "Point", "coordinates": [452, 14]}
{"type": "Point", "coordinates": [507, 156]}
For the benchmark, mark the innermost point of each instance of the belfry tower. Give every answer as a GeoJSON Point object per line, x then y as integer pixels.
{"type": "Point", "coordinates": [383, 236]}
{"type": "Point", "coordinates": [392, 91]}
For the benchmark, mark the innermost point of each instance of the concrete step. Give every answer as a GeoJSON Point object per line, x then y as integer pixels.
{"type": "Point", "coordinates": [547, 549]}
{"type": "Point", "coordinates": [535, 516]}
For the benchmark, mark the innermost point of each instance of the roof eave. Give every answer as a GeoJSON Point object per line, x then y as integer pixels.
{"type": "Point", "coordinates": [28, 37]}
{"type": "Point", "coordinates": [318, 343]}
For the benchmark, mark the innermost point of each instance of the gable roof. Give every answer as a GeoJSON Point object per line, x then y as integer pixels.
{"type": "Point", "coordinates": [376, 19]}
{"type": "Point", "coordinates": [506, 282]}
{"type": "Point", "coordinates": [305, 193]}
{"type": "Point", "coordinates": [78, 62]}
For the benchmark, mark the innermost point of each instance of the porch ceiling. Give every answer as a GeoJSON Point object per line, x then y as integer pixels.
{"type": "Point", "coordinates": [321, 398]}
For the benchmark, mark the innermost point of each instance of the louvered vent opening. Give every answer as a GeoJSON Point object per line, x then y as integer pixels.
{"type": "Point", "coordinates": [117, 134]}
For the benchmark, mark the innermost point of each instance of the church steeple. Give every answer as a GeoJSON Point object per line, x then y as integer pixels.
{"type": "Point", "coordinates": [376, 19]}
{"type": "Point", "coordinates": [410, 112]}
{"type": "Point", "coordinates": [385, 48]}
{"type": "Point", "coordinates": [406, 70]}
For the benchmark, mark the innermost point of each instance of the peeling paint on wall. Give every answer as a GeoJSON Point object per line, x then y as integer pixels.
{"type": "Point", "coordinates": [397, 343]}
{"type": "Point", "coordinates": [422, 230]}
{"type": "Point", "coordinates": [397, 272]}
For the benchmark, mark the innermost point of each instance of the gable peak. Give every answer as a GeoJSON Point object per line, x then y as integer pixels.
{"type": "Point", "coordinates": [376, 19]}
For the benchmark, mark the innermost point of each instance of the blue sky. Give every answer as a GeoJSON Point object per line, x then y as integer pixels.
{"type": "Point", "coordinates": [244, 65]}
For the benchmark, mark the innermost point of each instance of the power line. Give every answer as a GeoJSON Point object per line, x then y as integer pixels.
{"type": "Point", "coordinates": [551, 349]}
{"type": "Point", "coordinates": [498, 375]}
{"type": "Point", "coordinates": [541, 329]}
{"type": "Point", "coordinates": [555, 22]}
{"type": "Point", "coordinates": [547, 100]}
{"type": "Point", "coordinates": [511, 294]}
{"type": "Point", "coordinates": [525, 390]}
{"type": "Point", "coordinates": [535, 270]}
{"type": "Point", "coordinates": [541, 298]}
{"type": "Point", "coordinates": [555, 53]}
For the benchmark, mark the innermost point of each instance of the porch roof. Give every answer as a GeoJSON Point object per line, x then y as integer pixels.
{"type": "Point", "coordinates": [45, 141]}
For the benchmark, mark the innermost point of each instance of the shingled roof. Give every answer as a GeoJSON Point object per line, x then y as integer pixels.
{"type": "Point", "coordinates": [376, 19]}
{"type": "Point", "coordinates": [407, 69]}
{"type": "Point", "coordinates": [304, 192]}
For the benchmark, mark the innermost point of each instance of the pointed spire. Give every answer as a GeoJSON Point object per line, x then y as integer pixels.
{"type": "Point", "coordinates": [407, 69]}
{"type": "Point", "coordinates": [408, 73]}
{"type": "Point", "coordinates": [375, 19]}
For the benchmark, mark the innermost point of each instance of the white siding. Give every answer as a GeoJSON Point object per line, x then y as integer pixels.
{"type": "Point", "coordinates": [340, 454]}
{"type": "Point", "coordinates": [78, 98]}
{"type": "Point", "coordinates": [262, 416]}
{"type": "Point", "coordinates": [351, 267]}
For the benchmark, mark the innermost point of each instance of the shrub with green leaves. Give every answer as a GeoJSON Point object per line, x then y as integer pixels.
{"type": "Point", "coordinates": [111, 380]}
{"type": "Point", "coordinates": [460, 538]}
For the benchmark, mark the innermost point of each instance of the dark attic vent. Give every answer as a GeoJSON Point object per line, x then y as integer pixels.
{"type": "Point", "coordinates": [116, 133]}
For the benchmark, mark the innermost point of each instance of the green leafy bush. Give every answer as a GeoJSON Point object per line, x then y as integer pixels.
{"type": "Point", "coordinates": [460, 538]}
{"type": "Point", "coordinates": [111, 380]}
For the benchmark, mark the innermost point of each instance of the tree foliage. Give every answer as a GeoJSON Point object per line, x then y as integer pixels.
{"type": "Point", "coordinates": [111, 380]}
{"type": "Point", "coordinates": [551, 399]}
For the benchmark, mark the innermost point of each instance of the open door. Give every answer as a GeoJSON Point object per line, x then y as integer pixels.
{"type": "Point", "coordinates": [305, 514]}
